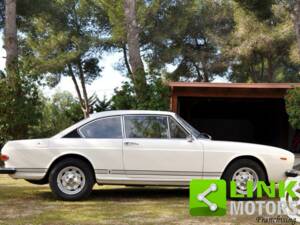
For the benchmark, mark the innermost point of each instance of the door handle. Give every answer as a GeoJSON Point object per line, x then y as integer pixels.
{"type": "Point", "coordinates": [130, 143]}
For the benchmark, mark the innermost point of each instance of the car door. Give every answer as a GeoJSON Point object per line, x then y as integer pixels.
{"type": "Point", "coordinates": [103, 143]}
{"type": "Point", "coordinates": [156, 148]}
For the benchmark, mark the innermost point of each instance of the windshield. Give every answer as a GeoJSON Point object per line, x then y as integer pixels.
{"type": "Point", "coordinates": [193, 130]}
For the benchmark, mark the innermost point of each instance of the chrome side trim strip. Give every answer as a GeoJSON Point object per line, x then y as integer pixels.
{"type": "Point", "coordinates": [157, 172]}
{"type": "Point", "coordinates": [31, 170]}
{"type": "Point", "coordinates": [101, 171]}
{"type": "Point", "coordinates": [132, 172]}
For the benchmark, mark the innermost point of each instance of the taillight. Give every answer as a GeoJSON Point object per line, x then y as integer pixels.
{"type": "Point", "coordinates": [4, 158]}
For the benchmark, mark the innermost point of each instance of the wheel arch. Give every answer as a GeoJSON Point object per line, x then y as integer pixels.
{"type": "Point", "coordinates": [66, 156]}
{"type": "Point", "coordinates": [249, 157]}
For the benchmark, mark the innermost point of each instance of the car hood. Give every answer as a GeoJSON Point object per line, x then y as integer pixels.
{"type": "Point", "coordinates": [243, 147]}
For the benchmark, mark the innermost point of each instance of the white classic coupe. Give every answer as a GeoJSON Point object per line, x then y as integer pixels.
{"type": "Point", "coordinates": [138, 148]}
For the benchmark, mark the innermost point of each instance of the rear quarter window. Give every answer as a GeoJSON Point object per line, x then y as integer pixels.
{"type": "Point", "coordinates": [109, 127]}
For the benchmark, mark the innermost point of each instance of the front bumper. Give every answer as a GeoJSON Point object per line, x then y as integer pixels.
{"type": "Point", "coordinates": [292, 173]}
{"type": "Point", "coordinates": [7, 170]}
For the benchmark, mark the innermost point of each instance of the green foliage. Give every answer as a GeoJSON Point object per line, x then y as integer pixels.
{"type": "Point", "coordinates": [261, 8]}
{"type": "Point", "coordinates": [292, 101]}
{"type": "Point", "coordinates": [102, 105]}
{"type": "Point", "coordinates": [124, 97]}
{"type": "Point", "coordinates": [260, 50]}
{"type": "Point", "coordinates": [115, 12]}
{"type": "Point", "coordinates": [18, 109]}
{"type": "Point", "coordinates": [63, 38]}
{"type": "Point", "coordinates": [188, 35]}
{"type": "Point", "coordinates": [58, 113]}
{"type": "Point", "coordinates": [61, 35]}
{"type": "Point", "coordinates": [157, 92]}
{"type": "Point", "coordinates": [2, 14]}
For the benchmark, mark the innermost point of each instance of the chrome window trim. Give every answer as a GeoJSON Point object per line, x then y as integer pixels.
{"type": "Point", "coordinates": [169, 131]}
{"type": "Point", "coordinates": [123, 127]}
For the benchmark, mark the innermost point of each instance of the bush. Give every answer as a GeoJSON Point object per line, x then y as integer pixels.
{"type": "Point", "coordinates": [19, 108]}
{"type": "Point", "coordinates": [157, 95]}
{"type": "Point", "coordinates": [292, 102]}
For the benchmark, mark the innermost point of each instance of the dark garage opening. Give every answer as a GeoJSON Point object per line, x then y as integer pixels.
{"type": "Point", "coordinates": [253, 120]}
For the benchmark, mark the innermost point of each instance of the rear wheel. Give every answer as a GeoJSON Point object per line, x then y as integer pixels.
{"type": "Point", "coordinates": [241, 172]}
{"type": "Point", "coordinates": [71, 179]}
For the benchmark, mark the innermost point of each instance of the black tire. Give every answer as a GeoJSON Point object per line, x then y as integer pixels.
{"type": "Point", "coordinates": [235, 166]}
{"type": "Point", "coordinates": [87, 172]}
{"type": "Point", "coordinates": [38, 182]}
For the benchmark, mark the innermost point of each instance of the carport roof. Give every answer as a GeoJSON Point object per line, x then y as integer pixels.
{"type": "Point", "coordinates": [235, 85]}
{"type": "Point", "coordinates": [228, 90]}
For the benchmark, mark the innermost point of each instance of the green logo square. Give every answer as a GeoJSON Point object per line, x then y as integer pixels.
{"type": "Point", "coordinates": [208, 198]}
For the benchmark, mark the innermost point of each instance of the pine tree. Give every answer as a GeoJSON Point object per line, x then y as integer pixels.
{"type": "Point", "coordinates": [65, 39]}
{"type": "Point", "coordinates": [261, 44]}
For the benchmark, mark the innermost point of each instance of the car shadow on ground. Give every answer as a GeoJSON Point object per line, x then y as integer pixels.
{"type": "Point", "coordinates": [141, 192]}
{"type": "Point", "coordinates": [129, 193]}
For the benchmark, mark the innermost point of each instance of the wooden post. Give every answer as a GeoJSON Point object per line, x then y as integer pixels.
{"type": "Point", "coordinates": [174, 103]}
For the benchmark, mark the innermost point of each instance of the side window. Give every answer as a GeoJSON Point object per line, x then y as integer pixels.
{"type": "Point", "coordinates": [73, 134]}
{"type": "Point", "coordinates": [141, 126]}
{"type": "Point", "coordinates": [176, 131]}
{"type": "Point", "coordinates": [103, 128]}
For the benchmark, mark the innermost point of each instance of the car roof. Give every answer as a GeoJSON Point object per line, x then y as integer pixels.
{"type": "Point", "coordinates": [111, 113]}
{"type": "Point", "coordinates": [129, 112]}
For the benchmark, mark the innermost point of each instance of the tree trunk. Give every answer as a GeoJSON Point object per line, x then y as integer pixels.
{"type": "Point", "coordinates": [296, 19]}
{"type": "Point", "coordinates": [205, 74]}
{"type": "Point", "coordinates": [85, 95]}
{"type": "Point", "coordinates": [11, 45]}
{"type": "Point", "coordinates": [253, 73]}
{"type": "Point", "coordinates": [82, 105]}
{"type": "Point", "coordinates": [270, 69]}
{"type": "Point", "coordinates": [262, 68]}
{"type": "Point", "coordinates": [199, 76]}
{"type": "Point", "coordinates": [135, 59]}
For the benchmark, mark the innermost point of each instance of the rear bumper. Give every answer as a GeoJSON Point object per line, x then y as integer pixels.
{"type": "Point", "coordinates": [292, 173]}
{"type": "Point", "coordinates": [7, 170]}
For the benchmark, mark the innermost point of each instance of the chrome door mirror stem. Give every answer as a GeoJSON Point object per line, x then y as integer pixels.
{"type": "Point", "coordinates": [190, 138]}
{"type": "Point", "coordinates": [205, 135]}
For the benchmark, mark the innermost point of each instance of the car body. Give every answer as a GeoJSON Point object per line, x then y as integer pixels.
{"type": "Point", "coordinates": [139, 147]}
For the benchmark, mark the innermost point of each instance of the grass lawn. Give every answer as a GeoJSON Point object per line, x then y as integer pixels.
{"type": "Point", "coordinates": [23, 203]}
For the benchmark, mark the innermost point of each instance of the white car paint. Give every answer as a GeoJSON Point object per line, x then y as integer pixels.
{"type": "Point", "coordinates": [151, 161]}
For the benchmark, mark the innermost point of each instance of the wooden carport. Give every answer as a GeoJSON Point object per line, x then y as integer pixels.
{"type": "Point", "coordinates": [250, 112]}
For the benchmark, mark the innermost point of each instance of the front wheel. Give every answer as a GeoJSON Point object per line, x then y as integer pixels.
{"type": "Point", "coordinates": [71, 179]}
{"type": "Point", "coordinates": [241, 172]}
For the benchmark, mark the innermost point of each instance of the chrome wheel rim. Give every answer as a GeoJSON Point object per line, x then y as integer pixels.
{"type": "Point", "coordinates": [71, 180]}
{"type": "Point", "coordinates": [242, 176]}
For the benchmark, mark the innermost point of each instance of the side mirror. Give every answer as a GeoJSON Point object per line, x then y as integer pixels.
{"type": "Point", "coordinates": [205, 135]}
{"type": "Point", "coordinates": [190, 138]}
